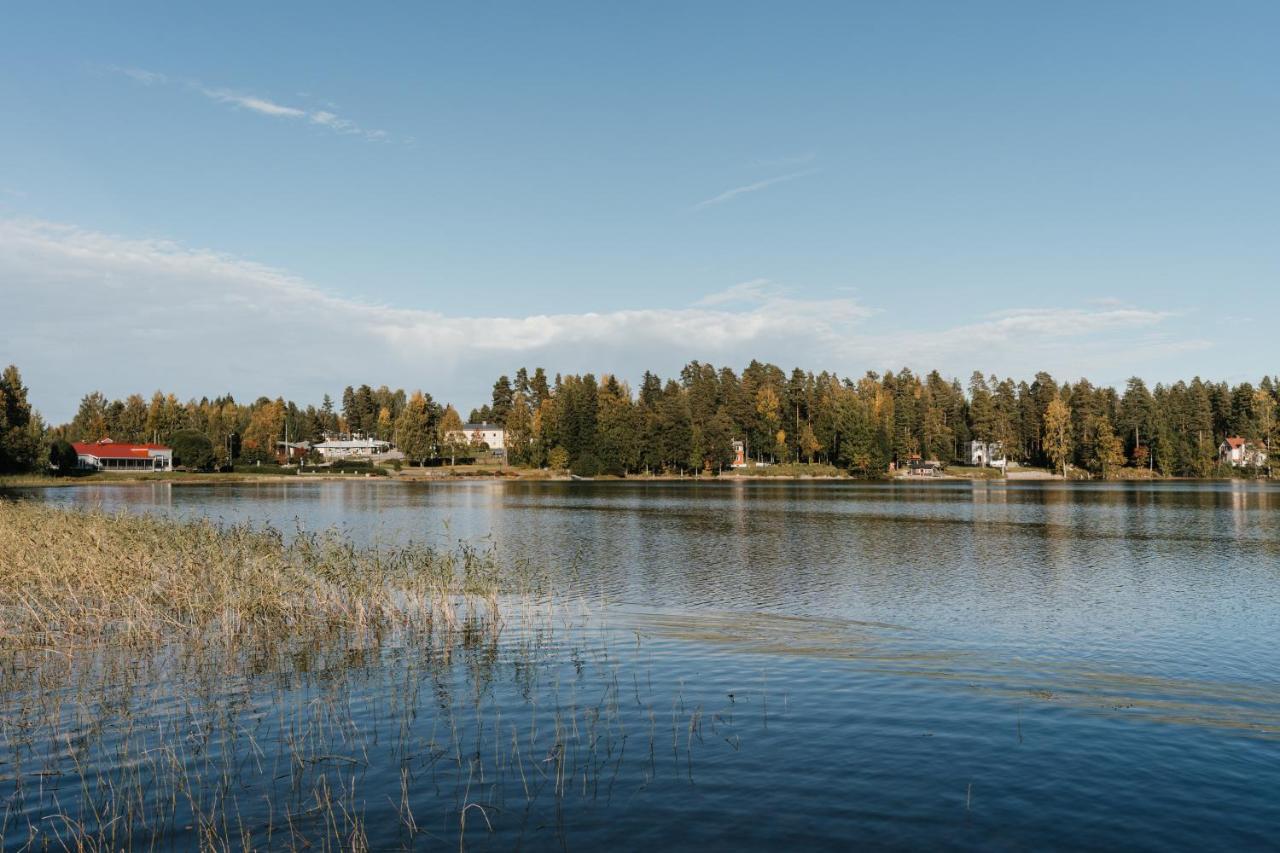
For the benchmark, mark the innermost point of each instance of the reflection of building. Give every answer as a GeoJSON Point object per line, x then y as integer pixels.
{"type": "Point", "coordinates": [1238, 453]}
{"type": "Point", "coordinates": [982, 453]}
{"type": "Point", "coordinates": [484, 433]}
{"type": "Point", "coordinates": [352, 448]}
{"type": "Point", "coordinates": [108, 455]}
{"type": "Point", "coordinates": [739, 453]}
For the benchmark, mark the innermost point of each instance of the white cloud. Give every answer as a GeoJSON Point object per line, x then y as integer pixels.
{"type": "Point", "coordinates": [785, 162]}
{"type": "Point", "coordinates": [249, 102]}
{"type": "Point", "coordinates": [325, 118]}
{"type": "Point", "coordinates": [756, 290]}
{"type": "Point", "coordinates": [751, 188]}
{"type": "Point", "coordinates": [86, 310]}
{"type": "Point", "coordinates": [146, 78]}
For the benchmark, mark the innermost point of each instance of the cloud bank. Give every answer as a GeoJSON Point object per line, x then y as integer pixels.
{"type": "Point", "coordinates": [90, 311]}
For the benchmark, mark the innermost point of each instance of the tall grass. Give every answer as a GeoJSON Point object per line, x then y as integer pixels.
{"type": "Point", "coordinates": [71, 577]}
{"type": "Point", "coordinates": [169, 684]}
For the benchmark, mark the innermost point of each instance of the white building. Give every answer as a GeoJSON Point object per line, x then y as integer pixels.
{"type": "Point", "coordinates": [352, 448]}
{"type": "Point", "coordinates": [1239, 453]}
{"type": "Point", "coordinates": [981, 453]}
{"type": "Point", "coordinates": [484, 433]}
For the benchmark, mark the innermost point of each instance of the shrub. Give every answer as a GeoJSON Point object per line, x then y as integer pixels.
{"type": "Point", "coordinates": [586, 465]}
{"type": "Point", "coordinates": [193, 450]}
{"type": "Point", "coordinates": [558, 458]}
{"type": "Point", "coordinates": [63, 457]}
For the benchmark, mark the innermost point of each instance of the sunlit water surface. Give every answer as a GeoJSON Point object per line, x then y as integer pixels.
{"type": "Point", "coordinates": [1020, 666]}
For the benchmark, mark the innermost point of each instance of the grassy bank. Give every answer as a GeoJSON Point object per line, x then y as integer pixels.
{"type": "Point", "coordinates": [241, 474]}
{"type": "Point", "coordinates": [792, 470]}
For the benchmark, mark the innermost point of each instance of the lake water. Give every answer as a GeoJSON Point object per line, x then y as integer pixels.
{"type": "Point", "coordinates": [942, 665]}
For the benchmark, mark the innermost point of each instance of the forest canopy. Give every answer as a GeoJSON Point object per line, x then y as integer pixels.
{"type": "Point", "coordinates": [690, 422]}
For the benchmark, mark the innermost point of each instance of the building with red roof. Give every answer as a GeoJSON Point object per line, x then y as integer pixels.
{"type": "Point", "coordinates": [108, 455]}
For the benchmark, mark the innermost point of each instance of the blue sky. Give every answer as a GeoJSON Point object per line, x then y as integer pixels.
{"type": "Point", "coordinates": [277, 198]}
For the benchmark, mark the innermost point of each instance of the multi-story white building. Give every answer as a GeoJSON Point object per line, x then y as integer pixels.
{"type": "Point", "coordinates": [982, 453]}
{"type": "Point", "coordinates": [1239, 453]}
{"type": "Point", "coordinates": [484, 433]}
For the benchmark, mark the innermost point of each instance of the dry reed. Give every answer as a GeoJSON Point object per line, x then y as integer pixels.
{"type": "Point", "coordinates": [71, 577]}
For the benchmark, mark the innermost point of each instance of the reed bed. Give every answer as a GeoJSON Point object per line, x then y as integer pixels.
{"type": "Point", "coordinates": [71, 577]}
{"type": "Point", "coordinates": [175, 685]}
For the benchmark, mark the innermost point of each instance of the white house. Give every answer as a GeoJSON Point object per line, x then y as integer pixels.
{"type": "Point", "coordinates": [352, 448]}
{"type": "Point", "coordinates": [982, 453]}
{"type": "Point", "coordinates": [484, 433]}
{"type": "Point", "coordinates": [108, 455]}
{"type": "Point", "coordinates": [1239, 453]}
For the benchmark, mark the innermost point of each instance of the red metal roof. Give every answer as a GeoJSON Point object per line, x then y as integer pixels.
{"type": "Point", "coordinates": [1235, 441]}
{"type": "Point", "coordinates": [108, 449]}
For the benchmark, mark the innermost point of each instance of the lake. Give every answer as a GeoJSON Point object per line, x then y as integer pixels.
{"type": "Point", "coordinates": [761, 665]}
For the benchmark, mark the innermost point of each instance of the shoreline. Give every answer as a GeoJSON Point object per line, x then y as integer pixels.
{"type": "Point", "coordinates": [183, 478]}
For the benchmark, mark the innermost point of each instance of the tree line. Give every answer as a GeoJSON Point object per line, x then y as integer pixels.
{"type": "Point", "coordinates": [250, 432]}
{"type": "Point", "coordinates": [690, 422]}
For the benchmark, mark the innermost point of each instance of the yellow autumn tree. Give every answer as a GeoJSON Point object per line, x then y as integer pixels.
{"type": "Point", "coordinates": [266, 427]}
{"type": "Point", "coordinates": [1057, 434]}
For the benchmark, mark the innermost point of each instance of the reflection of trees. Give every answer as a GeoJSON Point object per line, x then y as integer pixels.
{"type": "Point", "coordinates": [336, 739]}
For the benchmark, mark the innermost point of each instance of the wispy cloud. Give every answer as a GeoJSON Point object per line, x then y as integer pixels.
{"type": "Point", "coordinates": [751, 188]}
{"type": "Point", "coordinates": [146, 78]}
{"type": "Point", "coordinates": [785, 162]}
{"type": "Point", "coordinates": [183, 304]}
{"type": "Point", "coordinates": [755, 290]}
{"type": "Point", "coordinates": [249, 102]}
{"type": "Point", "coordinates": [325, 118]}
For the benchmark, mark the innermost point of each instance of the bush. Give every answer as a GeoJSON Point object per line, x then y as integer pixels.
{"type": "Point", "coordinates": [558, 459]}
{"type": "Point", "coordinates": [586, 465]}
{"type": "Point", "coordinates": [192, 450]}
{"type": "Point", "coordinates": [257, 456]}
{"type": "Point", "coordinates": [63, 457]}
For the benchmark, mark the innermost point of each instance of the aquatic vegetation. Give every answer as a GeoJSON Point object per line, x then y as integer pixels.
{"type": "Point", "coordinates": [174, 684]}
{"type": "Point", "coordinates": [70, 578]}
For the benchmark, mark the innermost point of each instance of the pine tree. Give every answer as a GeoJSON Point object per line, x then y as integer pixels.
{"type": "Point", "coordinates": [1108, 450]}
{"type": "Point", "coordinates": [617, 429]}
{"type": "Point", "coordinates": [90, 422]}
{"type": "Point", "coordinates": [503, 397]}
{"type": "Point", "coordinates": [768, 419]}
{"type": "Point", "coordinates": [717, 441]}
{"type": "Point", "coordinates": [350, 412]}
{"type": "Point", "coordinates": [982, 412]}
{"type": "Point", "coordinates": [21, 430]}
{"type": "Point", "coordinates": [674, 428]}
{"type": "Point", "coordinates": [538, 387]}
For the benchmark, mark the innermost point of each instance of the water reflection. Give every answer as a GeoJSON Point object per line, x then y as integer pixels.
{"type": "Point", "coordinates": [906, 665]}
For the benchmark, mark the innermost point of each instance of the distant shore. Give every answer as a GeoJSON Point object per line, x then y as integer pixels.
{"type": "Point", "coordinates": [460, 474]}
